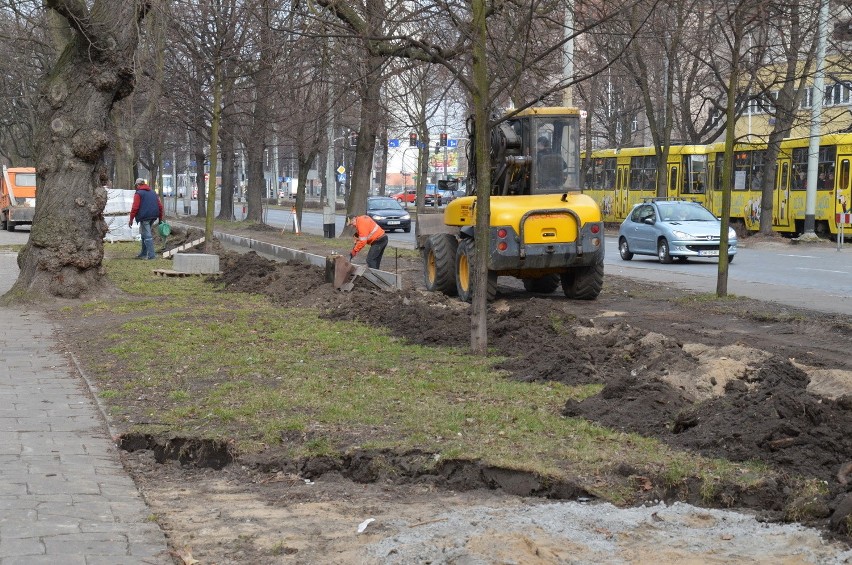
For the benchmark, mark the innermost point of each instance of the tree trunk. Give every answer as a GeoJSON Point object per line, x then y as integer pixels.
{"type": "Point", "coordinates": [256, 188]}
{"type": "Point", "coordinates": [200, 158]}
{"type": "Point", "coordinates": [786, 106]}
{"type": "Point", "coordinates": [261, 117]}
{"type": "Point", "coordinates": [383, 170]}
{"type": "Point", "coordinates": [123, 152]}
{"type": "Point", "coordinates": [64, 254]}
{"type": "Point", "coordinates": [482, 150]}
{"type": "Point", "coordinates": [214, 153]}
{"type": "Point", "coordinates": [728, 163]}
{"type": "Point", "coordinates": [226, 202]}
{"type": "Point", "coordinates": [371, 111]}
{"type": "Point", "coordinates": [305, 164]}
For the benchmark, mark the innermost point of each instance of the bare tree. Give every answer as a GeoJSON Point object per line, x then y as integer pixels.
{"type": "Point", "coordinates": [26, 55]}
{"type": "Point", "coordinates": [301, 97]}
{"type": "Point", "coordinates": [260, 113]}
{"type": "Point", "coordinates": [793, 31]}
{"type": "Point", "coordinates": [208, 39]}
{"type": "Point", "coordinates": [736, 21]}
{"type": "Point", "coordinates": [422, 95]}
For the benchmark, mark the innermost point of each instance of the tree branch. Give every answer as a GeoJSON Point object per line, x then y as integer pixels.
{"type": "Point", "coordinates": [76, 13]}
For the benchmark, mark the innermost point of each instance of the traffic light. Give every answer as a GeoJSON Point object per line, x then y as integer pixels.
{"type": "Point", "coordinates": [353, 138]}
{"type": "Point", "coordinates": [412, 139]}
{"type": "Point", "coordinates": [443, 139]}
{"type": "Point", "coordinates": [437, 148]}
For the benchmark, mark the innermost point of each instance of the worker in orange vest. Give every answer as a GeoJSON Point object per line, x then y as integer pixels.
{"type": "Point", "coordinates": [368, 232]}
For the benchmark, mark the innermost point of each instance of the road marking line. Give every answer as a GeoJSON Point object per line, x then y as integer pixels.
{"type": "Point", "coordinates": [821, 270]}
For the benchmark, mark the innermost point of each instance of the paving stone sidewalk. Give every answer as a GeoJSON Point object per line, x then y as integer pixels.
{"type": "Point", "coordinates": [65, 498]}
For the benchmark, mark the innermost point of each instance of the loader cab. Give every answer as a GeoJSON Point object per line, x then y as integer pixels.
{"type": "Point", "coordinates": [536, 151]}
{"type": "Point", "coordinates": [555, 155]}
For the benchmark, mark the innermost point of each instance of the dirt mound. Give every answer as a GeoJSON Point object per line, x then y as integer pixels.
{"type": "Point", "coordinates": [768, 416]}
{"type": "Point", "coordinates": [772, 417]}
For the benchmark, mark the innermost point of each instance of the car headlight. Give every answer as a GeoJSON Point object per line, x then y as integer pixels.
{"type": "Point", "coordinates": [377, 217]}
{"type": "Point", "coordinates": [405, 217]}
{"type": "Point", "coordinates": [732, 234]}
{"type": "Point", "coordinates": [682, 234]}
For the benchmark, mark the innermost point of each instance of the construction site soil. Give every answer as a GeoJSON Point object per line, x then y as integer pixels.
{"type": "Point", "coordinates": [737, 379]}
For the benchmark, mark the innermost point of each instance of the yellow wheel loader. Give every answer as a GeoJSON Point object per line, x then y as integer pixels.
{"type": "Point", "coordinates": [543, 230]}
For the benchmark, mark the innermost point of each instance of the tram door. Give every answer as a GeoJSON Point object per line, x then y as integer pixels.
{"type": "Point", "coordinates": [710, 184]}
{"type": "Point", "coordinates": [842, 188]}
{"type": "Point", "coordinates": [781, 210]}
{"type": "Point", "coordinates": [622, 179]}
{"type": "Point", "coordinates": [674, 182]}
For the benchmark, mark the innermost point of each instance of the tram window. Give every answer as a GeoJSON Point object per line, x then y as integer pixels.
{"type": "Point", "coordinates": [742, 170]}
{"type": "Point", "coordinates": [844, 175]}
{"type": "Point", "coordinates": [800, 168]}
{"type": "Point", "coordinates": [695, 167]}
{"type": "Point", "coordinates": [785, 172]}
{"type": "Point", "coordinates": [758, 159]}
{"type": "Point", "coordinates": [673, 179]}
{"type": "Point", "coordinates": [643, 173]}
{"type": "Point", "coordinates": [720, 166]}
{"type": "Point", "coordinates": [825, 168]}
{"type": "Point", "coordinates": [603, 173]}
{"type": "Point", "coordinates": [590, 178]}
{"type": "Point", "coordinates": [825, 177]}
{"type": "Point", "coordinates": [825, 172]}
{"type": "Point", "coordinates": [756, 178]}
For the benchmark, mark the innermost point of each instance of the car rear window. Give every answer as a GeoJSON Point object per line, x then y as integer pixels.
{"type": "Point", "coordinates": [382, 204]}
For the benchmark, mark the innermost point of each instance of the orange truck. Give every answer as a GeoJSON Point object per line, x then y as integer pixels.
{"type": "Point", "coordinates": [17, 197]}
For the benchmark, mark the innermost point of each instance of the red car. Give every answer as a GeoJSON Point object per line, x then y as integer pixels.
{"type": "Point", "coordinates": [410, 197]}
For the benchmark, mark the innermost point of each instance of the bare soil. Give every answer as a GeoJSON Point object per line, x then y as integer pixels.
{"type": "Point", "coordinates": [737, 379]}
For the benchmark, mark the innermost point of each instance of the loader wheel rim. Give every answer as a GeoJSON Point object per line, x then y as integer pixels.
{"type": "Point", "coordinates": [431, 268]}
{"type": "Point", "coordinates": [464, 272]}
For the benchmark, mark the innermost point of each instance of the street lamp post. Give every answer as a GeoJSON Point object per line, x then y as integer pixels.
{"type": "Point", "coordinates": [461, 149]}
{"type": "Point", "coordinates": [816, 118]}
{"type": "Point", "coordinates": [329, 187]}
{"type": "Point", "coordinates": [405, 176]}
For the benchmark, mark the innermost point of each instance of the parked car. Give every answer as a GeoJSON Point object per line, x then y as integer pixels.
{"type": "Point", "coordinates": [670, 228]}
{"type": "Point", "coordinates": [448, 196]}
{"type": "Point", "coordinates": [388, 213]}
{"type": "Point", "coordinates": [410, 197]}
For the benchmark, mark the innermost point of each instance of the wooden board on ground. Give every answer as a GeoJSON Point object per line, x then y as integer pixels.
{"type": "Point", "coordinates": [171, 273]}
{"type": "Point", "coordinates": [183, 247]}
{"type": "Point", "coordinates": [345, 275]}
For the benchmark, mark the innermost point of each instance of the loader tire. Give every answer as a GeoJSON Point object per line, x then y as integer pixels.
{"type": "Point", "coordinates": [439, 263]}
{"type": "Point", "coordinates": [542, 285]}
{"type": "Point", "coordinates": [583, 283]}
{"type": "Point", "coordinates": [465, 260]}
{"type": "Point", "coordinates": [10, 225]}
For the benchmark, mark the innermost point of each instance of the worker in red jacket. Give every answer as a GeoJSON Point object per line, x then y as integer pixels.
{"type": "Point", "coordinates": [146, 210]}
{"type": "Point", "coordinates": [368, 232]}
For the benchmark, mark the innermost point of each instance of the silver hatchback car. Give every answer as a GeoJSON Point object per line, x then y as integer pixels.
{"type": "Point", "coordinates": [672, 229]}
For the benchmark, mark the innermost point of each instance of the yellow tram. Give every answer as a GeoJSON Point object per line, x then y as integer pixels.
{"type": "Point", "coordinates": [619, 178]}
